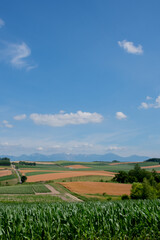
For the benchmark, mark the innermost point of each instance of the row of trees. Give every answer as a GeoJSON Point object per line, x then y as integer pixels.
{"type": "Point", "coordinates": [136, 175]}
{"type": "Point", "coordinates": [146, 185]}
{"type": "Point", "coordinates": [5, 161]}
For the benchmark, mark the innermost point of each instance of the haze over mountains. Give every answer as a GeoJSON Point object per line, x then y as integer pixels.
{"type": "Point", "coordinates": [79, 157]}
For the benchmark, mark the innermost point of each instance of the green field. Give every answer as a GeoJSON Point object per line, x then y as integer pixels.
{"type": "Point", "coordinates": [85, 179]}
{"type": "Point", "coordinates": [84, 221]}
{"type": "Point", "coordinates": [24, 189]}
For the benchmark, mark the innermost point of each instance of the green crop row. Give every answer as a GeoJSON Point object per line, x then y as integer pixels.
{"type": "Point", "coordinates": [24, 189]}
{"type": "Point", "coordinates": [61, 221]}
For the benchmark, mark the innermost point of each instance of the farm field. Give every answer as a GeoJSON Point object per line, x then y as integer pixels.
{"type": "Point", "coordinates": [24, 189]}
{"type": "Point", "coordinates": [52, 176]}
{"type": "Point", "coordinates": [5, 173]}
{"type": "Point", "coordinates": [98, 188]}
{"type": "Point", "coordinates": [111, 220]}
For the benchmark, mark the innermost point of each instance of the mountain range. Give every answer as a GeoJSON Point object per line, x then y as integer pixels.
{"type": "Point", "coordinates": [77, 157]}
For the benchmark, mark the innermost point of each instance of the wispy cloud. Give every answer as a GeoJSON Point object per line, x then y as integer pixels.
{"type": "Point", "coordinates": [7, 124]}
{"type": "Point", "coordinates": [155, 104]}
{"type": "Point", "coordinates": [20, 117]}
{"type": "Point", "coordinates": [120, 115]}
{"type": "Point", "coordinates": [61, 119]}
{"type": "Point", "coordinates": [130, 47]}
{"type": "Point", "coordinates": [2, 23]}
{"type": "Point", "coordinates": [17, 55]}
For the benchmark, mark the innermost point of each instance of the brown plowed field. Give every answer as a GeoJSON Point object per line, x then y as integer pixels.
{"type": "Point", "coordinates": [5, 173]}
{"type": "Point", "coordinates": [154, 166]}
{"type": "Point", "coordinates": [98, 187]}
{"type": "Point", "coordinates": [76, 166]}
{"type": "Point", "coordinates": [67, 174]}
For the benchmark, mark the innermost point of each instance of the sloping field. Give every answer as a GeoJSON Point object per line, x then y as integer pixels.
{"type": "Point", "coordinates": [112, 164]}
{"type": "Point", "coordinates": [5, 173]}
{"type": "Point", "coordinates": [23, 171]}
{"type": "Point", "coordinates": [67, 174]}
{"type": "Point", "coordinates": [153, 166]}
{"type": "Point", "coordinates": [46, 163]}
{"type": "Point", "coordinates": [76, 166]}
{"type": "Point", "coordinates": [98, 187]}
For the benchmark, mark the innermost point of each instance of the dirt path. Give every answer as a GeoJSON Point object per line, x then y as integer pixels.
{"type": "Point", "coordinates": [17, 173]}
{"type": "Point", "coordinates": [52, 189]}
{"type": "Point", "coordinates": [64, 196]}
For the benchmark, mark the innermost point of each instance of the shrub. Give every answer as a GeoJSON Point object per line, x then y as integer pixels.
{"type": "Point", "coordinates": [124, 197]}
{"type": "Point", "coordinates": [23, 179]}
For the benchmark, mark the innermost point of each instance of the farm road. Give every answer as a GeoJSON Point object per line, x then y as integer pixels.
{"type": "Point", "coordinates": [64, 196]}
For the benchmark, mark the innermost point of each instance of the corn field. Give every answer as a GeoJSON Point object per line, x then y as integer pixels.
{"type": "Point", "coordinates": [111, 220]}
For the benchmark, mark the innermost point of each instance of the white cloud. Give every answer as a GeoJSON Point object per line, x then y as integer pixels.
{"type": "Point", "coordinates": [155, 104]}
{"type": "Point", "coordinates": [40, 148]}
{"type": "Point", "coordinates": [62, 119]}
{"type": "Point", "coordinates": [120, 115]}
{"type": "Point", "coordinates": [148, 98]}
{"type": "Point", "coordinates": [130, 48]}
{"type": "Point", "coordinates": [7, 124]}
{"type": "Point", "coordinates": [20, 117]}
{"type": "Point", "coordinates": [16, 55]}
{"type": "Point", "coordinates": [2, 23]}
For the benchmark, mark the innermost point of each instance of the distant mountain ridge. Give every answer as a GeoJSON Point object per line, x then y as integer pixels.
{"type": "Point", "coordinates": [76, 157]}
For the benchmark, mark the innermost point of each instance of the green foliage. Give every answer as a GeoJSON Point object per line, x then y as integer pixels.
{"type": "Point", "coordinates": [143, 190]}
{"type": "Point", "coordinates": [5, 162]}
{"type": "Point", "coordinates": [137, 191]}
{"type": "Point", "coordinates": [137, 175]}
{"type": "Point", "coordinates": [23, 179]}
{"type": "Point", "coordinates": [27, 163]}
{"type": "Point", "coordinates": [125, 197]}
{"type": "Point", "coordinates": [153, 160]}
{"type": "Point", "coordinates": [87, 221]}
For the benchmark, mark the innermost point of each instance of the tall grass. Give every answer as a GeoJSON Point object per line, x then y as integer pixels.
{"type": "Point", "coordinates": [61, 221]}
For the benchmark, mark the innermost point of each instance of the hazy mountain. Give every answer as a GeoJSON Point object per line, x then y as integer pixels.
{"type": "Point", "coordinates": [79, 157]}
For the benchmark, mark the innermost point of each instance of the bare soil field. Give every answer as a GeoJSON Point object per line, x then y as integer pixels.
{"type": "Point", "coordinates": [5, 173]}
{"type": "Point", "coordinates": [154, 166]}
{"type": "Point", "coordinates": [76, 166]}
{"type": "Point", "coordinates": [67, 174]}
{"type": "Point", "coordinates": [98, 188]}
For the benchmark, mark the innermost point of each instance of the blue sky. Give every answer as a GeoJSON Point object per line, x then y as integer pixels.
{"type": "Point", "coordinates": [80, 77]}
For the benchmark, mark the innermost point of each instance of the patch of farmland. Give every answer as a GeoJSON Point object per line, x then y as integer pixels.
{"type": "Point", "coordinates": [67, 174]}
{"type": "Point", "coordinates": [6, 178]}
{"type": "Point", "coordinates": [24, 189]}
{"type": "Point", "coordinates": [40, 188]}
{"type": "Point", "coordinates": [91, 178]}
{"type": "Point", "coordinates": [76, 166]}
{"type": "Point", "coordinates": [153, 166]}
{"type": "Point", "coordinates": [18, 189]}
{"type": "Point", "coordinates": [5, 173]}
{"type": "Point", "coordinates": [113, 164]}
{"type": "Point", "coordinates": [23, 171]}
{"type": "Point", "coordinates": [38, 173]}
{"type": "Point", "coordinates": [114, 189]}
